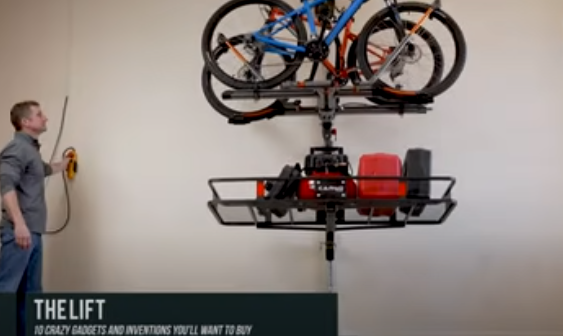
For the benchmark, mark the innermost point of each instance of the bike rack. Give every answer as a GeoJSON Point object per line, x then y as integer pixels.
{"type": "Point", "coordinates": [333, 212]}
{"type": "Point", "coordinates": [328, 96]}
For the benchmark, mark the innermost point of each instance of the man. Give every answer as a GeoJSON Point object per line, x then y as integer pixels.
{"type": "Point", "coordinates": [24, 210]}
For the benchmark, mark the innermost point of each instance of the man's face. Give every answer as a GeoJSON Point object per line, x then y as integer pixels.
{"type": "Point", "coordinates": [37, 121]}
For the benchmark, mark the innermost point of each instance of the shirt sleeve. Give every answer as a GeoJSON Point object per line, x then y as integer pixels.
{"type": "Point", "coordinates": [47, 169]}
{"type": "Point", "coordinates": [12, 166]}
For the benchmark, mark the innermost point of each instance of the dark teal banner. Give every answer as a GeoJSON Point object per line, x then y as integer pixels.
{"type": "Point", "coordinates": [183, 314]}
{"type": "Point", "coordinates": [8, 311]}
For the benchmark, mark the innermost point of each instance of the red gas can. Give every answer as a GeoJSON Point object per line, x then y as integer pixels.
{"type": "Point", "coordinates": [380, 164]}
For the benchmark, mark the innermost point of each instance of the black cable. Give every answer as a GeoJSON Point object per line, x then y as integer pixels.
{"type": "Point", "coordinates": [65, 182]}
{"type": "Point", "coordinates": [70, 36]}
{"type": "Point", "coordinates": [61, 128]}
{"type": "Point", "coordinates": [67, 196]}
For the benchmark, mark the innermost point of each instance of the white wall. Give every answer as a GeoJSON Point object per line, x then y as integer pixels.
{"type": "Point", "coordinates": [148, 142]}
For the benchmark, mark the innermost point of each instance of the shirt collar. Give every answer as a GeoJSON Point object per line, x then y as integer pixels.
{"type": "Point", "coordinates": [29, 139]}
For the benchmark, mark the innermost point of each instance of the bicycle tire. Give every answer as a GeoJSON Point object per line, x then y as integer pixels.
{"type": "Point", "coordinates": [444, 18]}
{"type": "Point", "coordinates": [221, 75]}
{"type": "Point", "coordinates": [437, 72]}
{"type": "Point", "coordinates": [227, 112]}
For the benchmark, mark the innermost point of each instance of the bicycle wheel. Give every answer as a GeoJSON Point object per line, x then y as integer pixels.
{"type": "Point", "coordinates": [425, 35]}
{"type": "Point", "coordinates": [231, 114]}
{"type": "Point", "coordinates": [253, 46]}
{"type": "Point", "coordinates": [438, 15]}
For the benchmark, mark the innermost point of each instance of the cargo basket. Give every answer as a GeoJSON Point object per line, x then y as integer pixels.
{"type": "Point", "coordinates": [244, 204]}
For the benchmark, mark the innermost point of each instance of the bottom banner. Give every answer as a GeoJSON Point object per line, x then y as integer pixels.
{"type": "Point", "coordinates": [183, 314]}
{"type": "Point", "coordinates": [8, 311]}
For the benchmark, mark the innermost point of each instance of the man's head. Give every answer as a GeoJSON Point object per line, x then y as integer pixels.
{"type": "Point", "coordinates": [28, 117]}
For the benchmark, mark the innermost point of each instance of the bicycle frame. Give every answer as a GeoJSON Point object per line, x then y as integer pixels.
{"type": "Point", "coordinates": [307, 10]}
{"type": "Point", "coordinates": [340, 25]}
{"type": "Point", "coordinates": [348, 37]}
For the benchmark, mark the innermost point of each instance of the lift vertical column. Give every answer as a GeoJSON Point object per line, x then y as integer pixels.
{"type": "Point", "coordinates": [330, 245]}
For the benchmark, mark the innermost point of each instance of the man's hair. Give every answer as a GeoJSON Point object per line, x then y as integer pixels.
{"type": "Point", "coordinates": [21, 111]}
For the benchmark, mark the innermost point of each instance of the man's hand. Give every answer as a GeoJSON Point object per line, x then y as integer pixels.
{"type": "Point", "coordinates": [58, 167]}
{"type": "Point", "coordinates": [65, 163]}
{"type": "Point", "coordinates": [22, 235]}
{"type": "Point", "coordinates": [21, 232]}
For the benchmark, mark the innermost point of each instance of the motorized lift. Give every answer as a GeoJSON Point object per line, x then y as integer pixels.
{"type": "Point", "coordinates": [323, 185]}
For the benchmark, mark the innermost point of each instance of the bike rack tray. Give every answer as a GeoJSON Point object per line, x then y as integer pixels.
{"type": "Point", "coordinates": [296, 109]}
{"type": "Point", "coordinates": [328, 101]}
{"type": "Point", "coordinates": [315, 89]}
{"type": "Point", "coordinates": [310, 214]}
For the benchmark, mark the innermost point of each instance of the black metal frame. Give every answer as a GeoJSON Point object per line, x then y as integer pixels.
{"type": "Point", "coordinates": [329, 205]}
{"type": "Point", "coordinates": [328, 95]}
{"type": "Point", "coordinates": [311, 88]}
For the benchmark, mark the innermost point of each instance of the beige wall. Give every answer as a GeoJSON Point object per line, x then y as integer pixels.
{"type": "Point", "coordinates": [139, 219]}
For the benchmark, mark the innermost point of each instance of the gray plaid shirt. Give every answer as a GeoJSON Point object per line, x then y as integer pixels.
{"type": "Point", "coordinates": [22, 169]}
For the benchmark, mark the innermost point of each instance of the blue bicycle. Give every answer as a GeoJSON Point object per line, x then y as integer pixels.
{"type": "Point", "coordinates": [313, 45]}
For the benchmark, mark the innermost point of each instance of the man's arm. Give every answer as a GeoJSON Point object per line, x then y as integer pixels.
{"type": "Point", "coordinates": [55, 168]}
{"type": "Point", "coordinates": [12, 165]}
{"type": "Point", "coordinates": [47, 169]}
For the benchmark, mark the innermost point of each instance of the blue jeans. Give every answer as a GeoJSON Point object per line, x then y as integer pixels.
{"type": "Point", "coordinates": [20, 270]}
